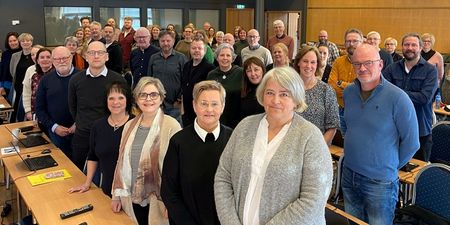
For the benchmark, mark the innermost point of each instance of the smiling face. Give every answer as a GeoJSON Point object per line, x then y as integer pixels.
{"type": "Point", "coordinates": [411, 48]}
{"type": "Point", "coordinates": [197, 50]}
{"type": "Point", "coordinates": [149, 105]}
{"type": "Point", "coordinates": [367, 65]}
{"type": "Point", "coordinates": [279, 56]}
{"type": "Point", "coordinates": [79, 35]}
{"type": "Point", "coordinates": [44, 59]}
{"type": "Point", "coordinates": [277, 102]}
{"type": "Point", "coordinates": [117, 103]}
{"type": "Point", "coordinates": [254, 73]}
{"type": "Point", "coordinates": [225, 58]}
{"type": "Point", "coordinates": [13, 42]}
{"type": "Point", "coordinates": [253, 38]}
{"type": "Point", "coordinates": [155, 32]}
{"type": "Point", "coordinates": [308, 65]}
{"type": "Point", "coordinates": [208, 107]}
{"type": "Point", "coordinates": [324, 52]}
{"type": "Point", "coordinates": [26, 43]}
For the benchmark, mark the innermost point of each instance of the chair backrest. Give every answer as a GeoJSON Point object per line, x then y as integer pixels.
{"type": "Point", "coordinates": [432, 189]}
{"type": "Point", "coordinates": [440, 152]}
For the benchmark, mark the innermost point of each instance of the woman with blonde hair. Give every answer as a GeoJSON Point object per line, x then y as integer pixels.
{"type": "Point", "coordinates": [433, 57]}
{"type": "Point", "coordinates": [137, 178]}
{"type": "Point", "coordinates": [280, 56]}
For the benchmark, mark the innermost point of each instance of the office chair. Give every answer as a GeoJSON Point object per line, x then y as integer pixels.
{"type": "Point", "coordinates": [440, 152]}
{"type": "Point", "coordinates": [432, 190]}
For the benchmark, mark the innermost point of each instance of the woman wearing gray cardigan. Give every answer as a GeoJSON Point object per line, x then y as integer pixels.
{"type": "Point", "coordinates": [276, 167]}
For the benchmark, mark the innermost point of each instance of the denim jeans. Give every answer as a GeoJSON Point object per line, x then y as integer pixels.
{"type": "Point", "coordinates": [341, 117]}
{"type": "Point", "coordinates": [372, 201]}
{"type": "Point", "coordinates": [173, 112]}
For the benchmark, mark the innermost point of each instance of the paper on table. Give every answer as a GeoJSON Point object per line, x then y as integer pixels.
{"type": "Point", "coordinates": [41, 178]}
{"type": "Point", "coordinates": [9, 150]}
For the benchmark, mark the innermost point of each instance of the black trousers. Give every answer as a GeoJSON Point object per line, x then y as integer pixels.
{"type": "Point", "coordinates": [141, 213]}
{"type": "Point", "coordinates": [424, 152]}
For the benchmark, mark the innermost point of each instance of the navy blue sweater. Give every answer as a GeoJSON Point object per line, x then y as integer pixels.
{"type": "Point", "coordinates": [51, 100]}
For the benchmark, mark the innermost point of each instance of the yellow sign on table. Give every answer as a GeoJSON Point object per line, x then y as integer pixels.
{"type": "Point", "coordinates": [48, 177]}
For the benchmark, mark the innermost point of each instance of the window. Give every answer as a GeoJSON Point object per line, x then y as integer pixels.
{"type": "Point", "coordinates": [200, 16]}
{"type": "Point", "coordinates": [61, 22]}
{"type": "Point", "coordinates": [118, 14]}
{"type": "Point", "coordinates": [164, 17]}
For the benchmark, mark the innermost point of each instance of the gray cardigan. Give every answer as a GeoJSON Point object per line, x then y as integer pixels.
{"type": "Point", "coordinates": [297, 181]}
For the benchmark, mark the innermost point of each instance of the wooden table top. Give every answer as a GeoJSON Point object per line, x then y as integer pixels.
{"type": "Point", "coordinates": [47, 201]}
{"type": "Point", "coordinates": [406, 177]}
{"type": "Point", "coordinates": [6, 138]}
{"type": "Point", "coordinates": [441, 111]}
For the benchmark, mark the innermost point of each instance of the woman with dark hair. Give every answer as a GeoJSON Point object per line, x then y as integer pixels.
{"type": "Point", "coordinates": [254, 71]}
{"type": "Point", "coordinates": [31, 81]}
{"type": "Point", "coordinates": [20, 61]}
{"type": "Point", "coordinates": [154, 35]}
{"type": "Point", "coordinates": [324, 69]}
{"type": "Point", "coordinates": [322, 103]}
{"type": "Point", "coordinates": [105, 137]}
{"type": "Point", "coordinates": [11, 46]}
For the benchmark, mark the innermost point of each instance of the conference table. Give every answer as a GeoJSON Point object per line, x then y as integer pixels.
{"type": "Point", "coordinates": [5, 109]}
{"type": "Point", "coordinates": [47, 201]}
{"type": "Point", "coordinates": [406, 178]}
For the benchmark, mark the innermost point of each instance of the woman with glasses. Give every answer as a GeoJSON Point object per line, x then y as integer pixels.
{"type": "Point", "coordinates": [322, 108]}
{"type": "Point", "coordinates": [276, 167]}
{"type": "Point", "coordinates": [137, 179]}
{"type": "Point", "coordinates": [105, 137]}
{"type": "Point", "coordinates": [187, 185]}
{"type": "Point", "coordinates": [433, 57]}
{"type": "Point", "coordinates": [230, 76]}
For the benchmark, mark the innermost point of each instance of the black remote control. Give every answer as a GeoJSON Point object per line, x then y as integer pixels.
{"type": "Point", "coordinates": [75, 212]}
{"type": "Point", "coordinates": [27, 128]}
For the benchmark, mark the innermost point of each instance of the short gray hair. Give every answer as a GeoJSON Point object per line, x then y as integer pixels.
{"type": "Point", "coordinates": [71, 39]}
{"type": "Point", "coordinates": [278, 22]}
{"type": "Point", "coordinates": [222, 47]}
{"type": "Point", "coordinates": [289, 79]}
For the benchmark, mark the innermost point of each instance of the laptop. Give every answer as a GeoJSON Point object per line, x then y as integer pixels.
{"type": "Point", "coordinates": [36, 163]}
{"type": "Point", "coordinates": [30, 140]}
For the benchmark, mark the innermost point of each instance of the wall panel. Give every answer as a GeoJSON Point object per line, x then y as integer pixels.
{"type": "Point", "coordinates": [389, 18]}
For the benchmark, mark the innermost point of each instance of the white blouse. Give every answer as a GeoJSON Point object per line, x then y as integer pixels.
{"type": "Point", "coordinates": [263, 151]}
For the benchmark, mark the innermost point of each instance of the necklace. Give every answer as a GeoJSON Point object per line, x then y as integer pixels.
{"type": "Point", "coordinates": [118, 124]}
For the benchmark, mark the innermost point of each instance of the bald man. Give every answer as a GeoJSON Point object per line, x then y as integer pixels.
{"type": "Point", "coordinates": [375, 107]}
{"type": "Point", "coordinates": [255, 49]}
{"type": "Point", "coordinates": [332, 48]}
{"type": "Point", "coordinates": [87, 98]}
{"type": "Point", "coordinates": [52, 108]}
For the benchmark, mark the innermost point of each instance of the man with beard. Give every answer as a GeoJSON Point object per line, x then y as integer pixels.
{"type": "Point", "coordinates": [332, 48]}
{"type": "Point", "coordinates": [381, 136]}
{"type": "Point", "coordinates": [126, 40]}
{"type": "Point", "coordinates": [96, 32]}
{"type": "Point", "coordinates": [167, 66]}
{"type": "Point", "coordinates": [418, 79]}
{"type": "Point", "coordinates": [342, 73]}
{"type": "Point", "coordinates": [114, 51]}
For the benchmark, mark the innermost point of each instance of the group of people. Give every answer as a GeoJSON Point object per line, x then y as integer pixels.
{"type": "Point", "coordinates": [164, 140]}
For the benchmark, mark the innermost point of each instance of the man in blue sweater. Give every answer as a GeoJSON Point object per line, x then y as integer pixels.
{"type": "Point", "coordinates": [52, 107]}
{"type": "Point", "coordinates": [419, 80]}
{"type": "Point", "coordinates": [381, 136]}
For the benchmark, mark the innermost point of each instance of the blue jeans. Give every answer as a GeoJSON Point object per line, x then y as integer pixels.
{"type": "Point", "coordinates": [173, 112]}
{"type": "Point", "coordinates": [372, 201]}
{"type": "Point", "coordinates": [341, 117]}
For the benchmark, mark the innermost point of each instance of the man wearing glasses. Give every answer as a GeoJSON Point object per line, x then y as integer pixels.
{"type": "Point", "coordinates": [381, 136]}
{"type": "Point", "coordinates": [52, 108]}
{"type": "Point", "coordinates": [342, 73]}
{"type": "Point", "coordinates": [87, 98]}
{"type": "Point", "coordinates": [255, 49]}
{"type": "Point", "coordinates": [141, 55]}
{"type": "Point", "coordinates": [419, 80]}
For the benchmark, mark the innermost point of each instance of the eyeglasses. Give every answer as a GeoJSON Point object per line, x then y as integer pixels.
{"type": "Point", "coordinates": [206, 104]}
{"type": "Point", "coordinates": [152, 95]}
{"type": "Point", "coordinates": [93, 53]}
{"type": "Point", "coordinates": [61, 59]}
{"type": "Point", "coordinates": [142, 37]}
{"type": "Point", "coordinates": [252, 36]}
{"type": "Point", "coordinates": [366, 64]}
{"type": "Point", "coordinates": [352, 42]}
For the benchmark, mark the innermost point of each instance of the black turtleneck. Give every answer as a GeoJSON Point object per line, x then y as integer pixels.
{"type": "Point", "coordinates": [427, 55]}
